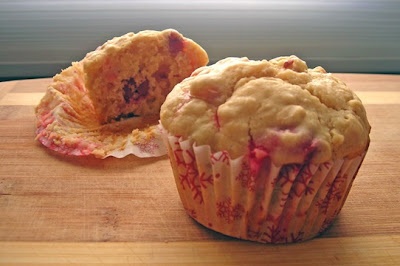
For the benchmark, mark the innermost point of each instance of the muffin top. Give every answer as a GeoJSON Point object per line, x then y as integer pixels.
{"type": "Point", "coordinates": [278, 108]}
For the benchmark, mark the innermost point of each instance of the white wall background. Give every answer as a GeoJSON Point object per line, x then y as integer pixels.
{"type": "Point", "coordinates": [40, 37]}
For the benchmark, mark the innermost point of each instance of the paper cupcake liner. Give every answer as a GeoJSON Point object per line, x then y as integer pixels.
{"type": "Point", "coordinates": [67, 124]}
{"type": "Point", "coordinates": [275, 204]}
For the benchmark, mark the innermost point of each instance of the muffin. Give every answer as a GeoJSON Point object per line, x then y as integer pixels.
{"type": "Point", "coordinates": [131, 75]}
{"type": "Point", "coordinates": [264, 150]}
{"type": "Point", "coordinates": [108, 103]}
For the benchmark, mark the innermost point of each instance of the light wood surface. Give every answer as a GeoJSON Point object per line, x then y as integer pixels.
{"type": "Point", "coordinates": [56, 209]}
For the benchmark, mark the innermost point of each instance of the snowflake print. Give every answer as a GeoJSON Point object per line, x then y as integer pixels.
{"type": "Point", "coordinates": [272, 235]}
{"type": "Point", "coordinates": [301, 184]}
{"type": "Point", "coordinates": [228, 212]}
{"type": "Point", "coordinates": [253, 234]}
{"type": "Point", "coordinates": [145, 140]}
{"type": "Point", "coordinates": [323, 204]}
{"type": "Point", "coordinates": [295, 238]}
{"type": "Point", "coordinates": [205, 180]}
{"type": "Point", "coordinates": [246, 179]}
{"type": "Point", "coordinates": [284, 198]}
{"type": "Point", "coordinates": [187, 168]}
{"type": "Point", "coordinates": [306, 175]}
{"type": "Point", "coordinates": [287, 174]}
{"type": "Point", "coordinates": [309, 190]}
{"type": "Point", "coordinates": [149, 147]}
{"type": "Point", "coordinates": [183, 157]}
{"type": "Point", "coordinates": [334, 193]}
{"type": "Point", "coordinates": [190, 157]}
{"type": "Point", "coordinates": [187, 175]}
{"type": "Point", "coordinates": [220, 157]}
{"type": "Point", "coordinates": [196, 190]}
{"type": "Point", "coordinates": [179, 157]}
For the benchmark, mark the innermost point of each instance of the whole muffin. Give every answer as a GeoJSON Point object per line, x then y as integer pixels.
{"type": "Point", "coordinates": [264, 150]}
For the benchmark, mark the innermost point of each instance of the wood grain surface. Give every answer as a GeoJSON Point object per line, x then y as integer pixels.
{"type": "Point", "coordinates": [57, 209]}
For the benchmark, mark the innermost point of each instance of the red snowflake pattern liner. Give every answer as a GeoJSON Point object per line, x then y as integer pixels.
{"type": "Point", "coordinates": [67, 124]}
{"type": "Point", "coordinates": [275, 204]}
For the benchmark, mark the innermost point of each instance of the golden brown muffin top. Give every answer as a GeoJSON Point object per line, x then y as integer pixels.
{"type": "Point", "coordinates": [279, 108]}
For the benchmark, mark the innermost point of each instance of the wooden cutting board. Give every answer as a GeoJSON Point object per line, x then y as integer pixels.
{"type": "Point", "coordinates": [70, 207]}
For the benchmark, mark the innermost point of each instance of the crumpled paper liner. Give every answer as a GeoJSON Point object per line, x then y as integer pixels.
{"type": "Point", "coordinates": [277, 204]}
{"type": "Point", "coordinates": [67, 124]}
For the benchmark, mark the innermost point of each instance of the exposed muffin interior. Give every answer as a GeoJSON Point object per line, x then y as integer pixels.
{"type": "Point", "coordinates": [131, 75]}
